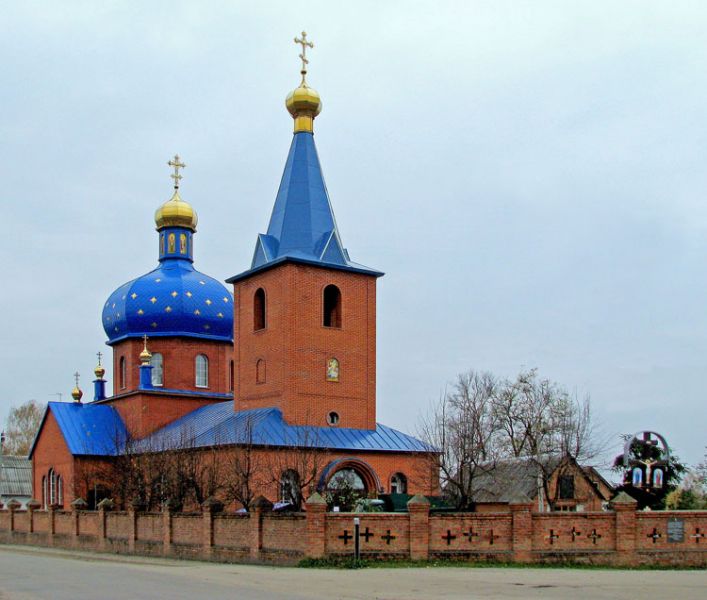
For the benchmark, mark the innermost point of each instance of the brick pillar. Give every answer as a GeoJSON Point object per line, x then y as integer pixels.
{"type": "Point", "coordinates": [259, 506]}
{"type": "Point", "coordinates": [12, 506]}
{"type": "Point", "coordinates": [133, 507]}
{"type": "Point", "coordinates": [76, 506]}
{"type": "Point", "coordinates": [51, 524]}
{"type": "Point", "coordinates": [419, 517]}
{"type": "Point", "coordinates": [625, 512]}
{"type": "Point", "coordinates": [315, 546]}
{"type": "Point", "coordinates": [521, 529]}
{"type": "Point", "coordinates": [167, 510]}
{"type": "Point", "coordinates": [102, 529]}
{"type": "Point", "coordinates": [209, 507]}
{"type": "Point", "coordinates": [32, 506]}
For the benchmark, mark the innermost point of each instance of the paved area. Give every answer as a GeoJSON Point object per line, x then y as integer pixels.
{"type": "Point", "coordinates": [29, 574]}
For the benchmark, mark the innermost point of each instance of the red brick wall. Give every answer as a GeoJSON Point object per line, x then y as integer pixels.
{"type": "Point", "coordinates": [296, 346]}
{"type": "Point", "coordinates": [51, 452]}
{"type": "Point", "coordinates": [187, 529]}
{"type": "Point", "coordinates": [546, 537]}
{"type": "Point", "coordinates": [149, 527]}
{"type": "Point", "coordinates": [231, 530]}
{"type": "Point", "coordinates": [284, 532]}
{"type": "Point", "coordinates": [145, 412]}
{"type": "Point", "coordinates": [179, 355]}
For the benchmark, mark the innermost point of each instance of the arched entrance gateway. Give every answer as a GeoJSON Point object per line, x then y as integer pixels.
{"type": "Point", "coordinates": [346, 480]}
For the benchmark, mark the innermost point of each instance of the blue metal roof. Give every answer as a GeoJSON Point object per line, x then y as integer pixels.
{"type": "Point", "coordinates": [88, 429]}
{"type": "Point", "coordinates": [302, 226]}
{"type": "Point", "coordinates": [172, 300]}
{"type": "Point", "coordinates": [218, 424]}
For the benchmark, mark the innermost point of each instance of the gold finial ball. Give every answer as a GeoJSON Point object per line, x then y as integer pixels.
{"type": "Point", "coordinates": [303, 103]}
{"type": "Point", "coordinates": [76, 394]}
{"type": "Point", "coordinates": [176, 213]}
{"type": "Point", "coordinates": [99, 371]}
{"type": "Point", "coordinates": [303, 99]}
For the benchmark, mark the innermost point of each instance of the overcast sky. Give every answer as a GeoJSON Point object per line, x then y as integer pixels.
{"type": "Point", "coordinates": [531, 176]}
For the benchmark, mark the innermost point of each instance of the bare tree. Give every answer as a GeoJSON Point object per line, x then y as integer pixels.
{"type": "Point", "coordinates": [463, 427]}
{"type": "Point", "coordinates": [21, 427]}
{"type": "Point", "coordinates": [297, 468]}
{"type": "Point", "coordinates": [484, 420]}
{"type": "Point", "coordinates": [244, 468]}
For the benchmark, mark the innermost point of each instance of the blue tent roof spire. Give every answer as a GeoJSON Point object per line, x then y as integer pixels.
{"type": "Point", "coordinates": [302, 225]}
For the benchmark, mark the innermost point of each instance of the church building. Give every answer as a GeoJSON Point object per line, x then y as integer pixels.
{"type": "Point", "coordinates": [284, 365]}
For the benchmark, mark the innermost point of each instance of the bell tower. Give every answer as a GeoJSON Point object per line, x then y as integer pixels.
{"type": "Point", "coordinates": [305, 314]}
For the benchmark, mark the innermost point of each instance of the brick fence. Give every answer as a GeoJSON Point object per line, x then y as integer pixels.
{"type": "Point", "coordinates": [619, 537]}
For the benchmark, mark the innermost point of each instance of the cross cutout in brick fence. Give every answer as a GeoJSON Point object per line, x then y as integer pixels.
{"type": "Point", "coordinates": [471, 534]}
{"type": "Point", "coordinates": [387, 537]}
{"type": "Point", "coordinates": [492, 537]}
{"type": "Point", "coordinates": [366, 535]}
{"type": "Point", "coordinates": [594, 536]}
{"type": "Point", "coordinates": [449, 537]}
{"type": "Point", "coordinates": [697, 535]}
{"type": "Point", "coordinates": [654, 535]}
{"type": "Point", "coordinates": [575, 533]}
{"type": "Point", "coordinates": [346, 537]}
{"type": "Point", "coordinates": [553, 536]}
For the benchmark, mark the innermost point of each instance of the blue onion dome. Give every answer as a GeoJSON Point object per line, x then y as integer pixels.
{"type": "Point", "coordinates": [174, 299]}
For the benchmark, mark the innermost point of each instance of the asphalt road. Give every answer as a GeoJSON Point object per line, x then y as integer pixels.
{"type": "Point", "coordinates": [29, 574]}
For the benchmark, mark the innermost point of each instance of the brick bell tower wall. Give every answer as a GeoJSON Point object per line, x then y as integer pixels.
{"type": "Point", "coordinates": [294, 347]}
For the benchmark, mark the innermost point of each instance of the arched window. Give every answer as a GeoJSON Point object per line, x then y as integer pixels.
{"type": "Point", "coordinates": [290, 488]}
{"type": "Point", "coordinates": [59, 490]}
{"type": "Point", "coordinates": [202, 371]}
{"type": "Point", "coordinates": [52, 487]}
{"type": "Point", "coordinates": [332, 306]}
{"type": "Point", "coordinates": [44, 491]}
{"type": "Point", "coordinates": [231, 376]}
{"type": "Point", "coordinates": [123, 372]}
{"type": "Point", "coordinates": [332, 418]}
{"type": "Point", "coordinates": [157, 369]}
{"type": "Point", "coordinates": [260, 371]}
{"type": "Point", "coordinates": [398, 484]}
{"type": "Point", "coordinates": [259, 310]}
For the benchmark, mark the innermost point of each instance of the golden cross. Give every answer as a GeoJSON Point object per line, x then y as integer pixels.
{"type": "Point", "coordinates": [177, 165]}
{"type": "Point", "coordinates": [144, 337]}
{"type": "Point", "coordinates": [76, 378]}
{"type": "Point", "coordinates": [303, 41]}
{"type": "Point", "coordinates": [100, 356]}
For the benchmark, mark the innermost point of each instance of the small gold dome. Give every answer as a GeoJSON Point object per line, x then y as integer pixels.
{"type": "Point", "coordinates": [303, 103]}
{"type": "Point", "coordinates": [99, 371]}
{"type": "Point", "coordinates": [145, 355]}
{"type": "Point", "coordinates": [176, 213]}
{"type": "Point", "coordinates": [76, 394]}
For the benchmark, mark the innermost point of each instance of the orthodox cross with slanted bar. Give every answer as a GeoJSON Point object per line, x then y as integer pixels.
{"type": "Point", "coordinates": [176, 164]}
{"type": "Point", "coordinates": [304, 43]}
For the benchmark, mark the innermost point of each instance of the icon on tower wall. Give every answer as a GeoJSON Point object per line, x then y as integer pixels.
{"type": "Point", "coordinates": [332, 370]}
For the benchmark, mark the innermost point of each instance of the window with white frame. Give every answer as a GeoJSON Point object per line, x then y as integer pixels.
{"type": "Point", "coordinates": [157, 369]}
{"type": "Point", "coordinates": [202, 371]}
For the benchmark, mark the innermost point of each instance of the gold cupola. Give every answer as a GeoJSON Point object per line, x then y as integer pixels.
{"type": "Point", "coordinates": [99, 371]}
{"type": "Point", "coordinates": [145, 355]}
{"type": "Point", "coordinates": [76, 393]}
{"type": "Point", "coordinates": [176, 212]}
{"type": "Point", "coordinates": [304, 103]}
